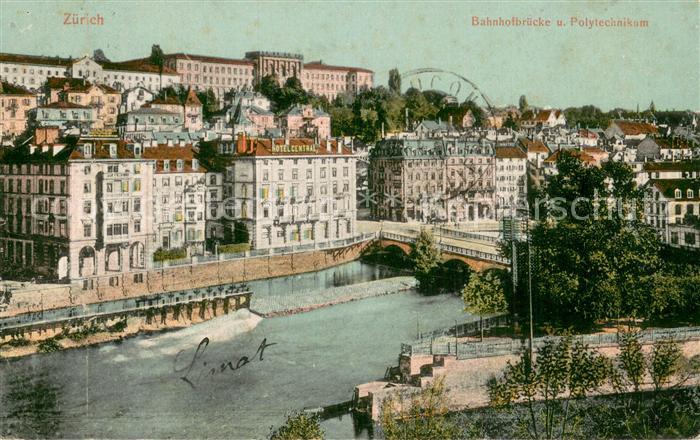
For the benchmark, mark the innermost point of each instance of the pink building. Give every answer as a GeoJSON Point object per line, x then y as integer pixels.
{"type": "Point", "coordinates": [304, 120]}
{"type": "Point", "coordinates": [330, 81]}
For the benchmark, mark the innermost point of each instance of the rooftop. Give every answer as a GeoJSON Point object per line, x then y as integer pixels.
{"type": "Point", "coordinates": [208, 59]}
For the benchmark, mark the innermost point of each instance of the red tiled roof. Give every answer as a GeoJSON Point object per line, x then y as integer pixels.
{"type": "Point", "coordinates": [576, 153]}
{"type": "Point", "coordinates": [593, 150]}
{"type": "Point", "coordinates": [633, 128]}
{"type": "Point", "coordinates": [534, 146]}
{"type": "Point", "coordinates": [164, 152]}
{"type": "Point", "coordinates": [208, 59]}
{"type": "Point", "coordinates": [510, 153]}
{"type": "Point", "coordinates": [35, 59]}
{"type": "Point", "coordinates": [137, 65]}
{"type": "Point", "coordinates": [317, 65]}
{"type": "Point", "coordinates": [64, 104]}
{"type": "Point", "coordinates": [588, 134]}
{"type": "Point", "coordinates": [101, 150]}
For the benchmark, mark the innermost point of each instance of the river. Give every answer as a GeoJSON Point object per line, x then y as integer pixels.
{"type": "Point", "coordinates": [130, 389]}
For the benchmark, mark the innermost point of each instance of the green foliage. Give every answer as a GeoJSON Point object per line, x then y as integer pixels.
{"type": "Point", "coordinates": [486, 294]}
{"type": "Point", "coordinates": [17, 342]}
{"type": "Point", "coordinates": [169, 254]}
{"type": "Point", "coordinates": [423, 416]}
{"type": "Point", "coordinates": [240, 233]}
{"type": "Point", "coordinates": [630, 362]}
{"type": "Point", "coordinates": [426, 259]}
{"type": "Point", "coordinates": [209, 103]}
{"type": "Point", "coordinates": [563, 370]}
{"type": "Point", "coordinates": [664, 362]}
{"type": "Point", "coordinates": [522, 103]}
{"type": "Point", "coordinates": [234, 248]}
{"type": "Point", "coordinates": [118, 326]}
{"type": "Point", "coordinates": [82, 333]}
{"type": "Point", "coordinates": [285, 97]}
{"type": "Point", "coordinates": [299, 426]}
{"type": "Point", "coordinates": [48, 345]}
{"type": "Point", "coordinates": [395, 81]}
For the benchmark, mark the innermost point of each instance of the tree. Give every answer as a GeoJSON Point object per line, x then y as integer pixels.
{"type": "Point", "coordinates": [419, 108]}
{"type": "Point", "coordinates": [291, 94]}
{"type": "Point", "coordinates": [157, 58]}
{"type": "Point", "coordinates": [652, 107]}
{"type": "Point", "coordinates": [485, 294]}
{"type": "Point", "coordinates": [99, 56]}
{"type": "Point", "coordinates": [269, 87]}
{"type": "Point", "coordinates": [423, 416]}
{"type": "Point", "coordinates": [510, 122]}
{"type": "Point", "coordinates": [426, 259]}
{"type": "Point", "coordinates": [209, 103]}
{"type": "Point", "coordinates": [240, 233]}
{"type": "Point", "coordinates": [299, 426]}
{"type": "Point", "coordinates": [522, 104]}
{"type": "Point", "coordinates": [395, 81]}
{"type": "Point", "coordinates": [563, 370]}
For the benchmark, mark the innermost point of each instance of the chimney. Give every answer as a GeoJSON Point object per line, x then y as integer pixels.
{"type": "Point", "coordinates": [241, 143]}
{"type": "Point", "coordinates": [340, 146]}
{"type": "Point", "coordinates": [251, 145]}
{"type": "Point", "coordinates": [328, 145]}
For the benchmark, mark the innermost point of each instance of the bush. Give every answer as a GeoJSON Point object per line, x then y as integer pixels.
{"type": "Point", "coordinates": [169, 254]}
{"type": "Point", "coordinates": [82, 333]}
{"type": "Point", "coordinates": [17, 342]}
{"type": "Point", "coordinates": [49, 345]}
{"type": "Point", "coordinates": [234, 248]}
{"type": "Point", "coordinates": [117, 327]}
{"type": "Point", "coordinates": [299, 426]}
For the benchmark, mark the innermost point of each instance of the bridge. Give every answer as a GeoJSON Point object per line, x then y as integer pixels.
{"type": "Point", "coordinates": [477, 249]}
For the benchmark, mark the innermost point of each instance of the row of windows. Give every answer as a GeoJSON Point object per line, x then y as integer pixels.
{"type": "Point", "coordinates": [309, 174]}
{"type": "Point", "coordinates": [216, 69]}
{"type": "Point", "coordinates": [43, 186]}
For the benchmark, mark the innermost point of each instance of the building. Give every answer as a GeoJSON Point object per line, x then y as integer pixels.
{"type": "Point", "coordinates": [32, 71]}
{"type": "Point", "coordinates": [544, 119]}
{"type": "Point", "coordinates": [179, 205]}
{"type": "Point", "coordinates": [511, 180]}
{"type": "Point", "coordinates": [65, 116]}
{"type": "Point", "coordinates": [250, 119]}
{"type": "Point", "coordinates": [135, 98]}
{"type": "Point", "coordinates": [248, 99]}
{"type": "Point", "coordinates": [104, 99]}
{"type": "Point", "coordinates": [292, 191]}
{"type": "Point", "coordinates": [77, 213]}
{"type": "Point", "coordinates": [442, 179]}
{"type": "Point", "coordinates": [201, 73]}
{"type": "Point", "coordinates": [535, 149]}
{"type": "Point", "coordinates": [282, 65]}
{"type": "Point", "coordinates": [142, 124]}
{"type": "Point", "coordinates": [627, 130]}
{"type": "Point", "coordinates": [306, 121]}
{"type": "Point", "coordinates": [190, 109]}
{"type": "Point", "coordinates": [330, 81]}
{"type": "Point", "coordinates": [670, 205]}
{"type": "Point", "coordinates": [15, 105]}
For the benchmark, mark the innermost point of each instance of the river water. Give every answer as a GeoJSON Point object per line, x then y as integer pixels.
{"type": "Point", "coordinates": [131, 389]}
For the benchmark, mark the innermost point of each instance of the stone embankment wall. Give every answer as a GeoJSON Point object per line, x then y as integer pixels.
{"type": "Point", "coordinates": [172, 279]}
{"type": "Point", "coordinates": [465, 379]}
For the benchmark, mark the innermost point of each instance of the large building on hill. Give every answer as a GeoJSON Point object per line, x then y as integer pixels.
{"type": "Point", "coordinates": [33, 71]}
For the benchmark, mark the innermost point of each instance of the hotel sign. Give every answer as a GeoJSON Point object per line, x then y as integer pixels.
{"type": "Point", "coordinates": [294, 148]}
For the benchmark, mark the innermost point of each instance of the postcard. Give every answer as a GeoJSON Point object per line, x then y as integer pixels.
{"type": "Point", "coordinates": [349, 219]}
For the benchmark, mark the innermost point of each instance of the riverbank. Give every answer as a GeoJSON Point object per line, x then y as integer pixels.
{"type": "Point", "coordinates": [241, 319]}
{"type": "Point", "coordinates": [282, 305]}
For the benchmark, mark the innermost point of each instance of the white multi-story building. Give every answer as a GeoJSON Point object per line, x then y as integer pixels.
{"type": "Point", "coordinates": [292, 191]}
{"type": "Point", "coordinates": [32, 72]}
{"type": "Point", "coordinates": [84, 213]}
{"type": "Point", "coordinates": [511, 179]}
{"type": "Point", "coordinates": [179, 204]}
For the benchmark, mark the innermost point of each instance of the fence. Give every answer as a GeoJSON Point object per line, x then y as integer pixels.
{"type": "Point", "coordinates": [468, 235]}
{"type": "Point", "coordinates": [204, 259]}
{"type": "Point", "coordinates": [471, 350]}
{"type": "Point", "coordinates": [488, 256]}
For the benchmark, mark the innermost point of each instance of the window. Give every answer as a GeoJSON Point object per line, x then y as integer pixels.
{"type": "Point", "coordinates": [679, 210]}
{"type": "Point", "coordinates": [87, 207]}
{"type": "Point", "coordinates": [678, 194]}
{"type": "Point", "coordinates": [690, 238]}
{"type": "Point", "coordinates": [137, 225]}
{"type": "Point", "coordinates": [689, 194]}
{"type": "Point", "coordinates": [87, 230]}
{"type": "Point", "coordinates": [180, 164]}
{"type": "Point", "coordinates": [87, 187]}
{"type": "Point", "coordinates": [166, 165]}
{"type": "Point", "coordinates": [178, 181]}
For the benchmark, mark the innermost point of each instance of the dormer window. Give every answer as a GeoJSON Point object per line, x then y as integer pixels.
{"type": "Point", "coordinates": [195, 164]}
{"type": "Point", "coordinates": [678, 193]}
{"type": "Point", "coordinates": [87, 150]}
{"type": "Point", "coordinates": [180, 164]}
{"type": "Point", "coordinates": [166, 165]}
{"type": "Point", "coordinates": [113, 150]}
{"type": "Point", "coordinates": [689, 194]}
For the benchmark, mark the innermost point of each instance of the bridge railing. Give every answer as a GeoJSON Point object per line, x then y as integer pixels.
{"type": "Point", "coordinates": [459, 250]}
{"type": "Point", "coordinates": [468, 235]}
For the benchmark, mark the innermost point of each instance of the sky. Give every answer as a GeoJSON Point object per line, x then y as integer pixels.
{"type": "Point", "coordinates": [553, 66]}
